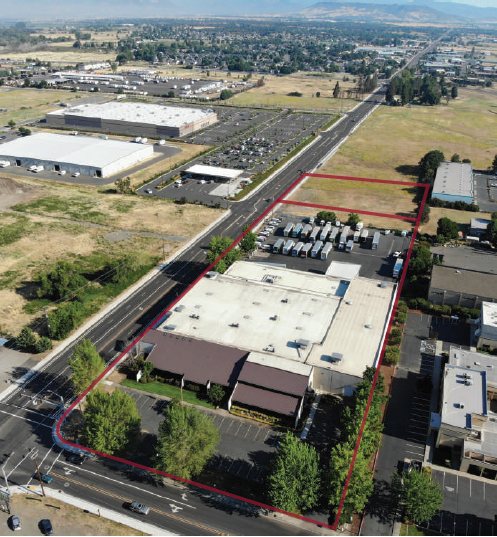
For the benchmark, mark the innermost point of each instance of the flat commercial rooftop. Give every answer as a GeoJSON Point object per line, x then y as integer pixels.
{"type": "Point", "coordinates": [283, 277]}
{"type": "Point", "coordinates": [77, 150]}
{"type": "Point", "coordinates": [257, 316]}
{"type": "Point", "coordinates": [454, 179]}
{"type": "Point", "coordinates": [464, 281]}
{"type": "Point", "coordinates": [358, 328]}
{"type": "Point", "coordinates": [468, 257]}
{"type": "Point", "coordinates": [488, 324]}
{"type": "Point", "coordinates": [152, 114]}
{"type": "Point", "coordinates": [213, 171]}
{"type": "Point", "coordinates": [464, 393]}
{"type": "Point", "coordinates": [475, 360]}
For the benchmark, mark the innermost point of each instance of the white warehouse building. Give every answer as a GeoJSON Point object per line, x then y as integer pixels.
{"type": "Point", "coordinates": [88, 156]}
{"type": "Point", "coordinates": [137, 119]}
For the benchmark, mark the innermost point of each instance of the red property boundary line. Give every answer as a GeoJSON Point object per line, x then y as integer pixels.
{"type": "Point", "coordinates": [157, 319]}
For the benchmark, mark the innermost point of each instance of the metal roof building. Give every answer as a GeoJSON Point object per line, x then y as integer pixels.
{"type": "Point", "coordinates": [142, 119]}
{"type": "Point", "coordinates": [213, 171]}
{"type": "Point", "coordinates": [454, 182]}
{"type": "Point", "coordinates": [82, 154]}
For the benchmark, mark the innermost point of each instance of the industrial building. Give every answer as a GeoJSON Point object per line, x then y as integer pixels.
{"type": "Point", "coordinates": [478, 227]}
{"type": "Point", "coordinates": [467, 419]}
{"type": "Point", "coordinates": [487, 331]}
{"type": "Point", "coordinates": [141, 119]}
{"type": "Point", "coordinates": [74, 154]}
{"type": "Point", "coordinates": [222, 174]}
{"type": "Point", "coordinates": [454, 182]}
{"type": "Point", "coordinates": [324, 328]}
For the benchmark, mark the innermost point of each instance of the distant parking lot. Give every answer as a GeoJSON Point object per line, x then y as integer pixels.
{"type": "Point", "coordinates": [485, 185]}
{"type": "Point", "coordinates": [377, 263]}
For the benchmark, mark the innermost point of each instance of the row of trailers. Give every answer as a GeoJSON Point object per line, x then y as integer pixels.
{"type": "Point", "coordinates": [317, 250]}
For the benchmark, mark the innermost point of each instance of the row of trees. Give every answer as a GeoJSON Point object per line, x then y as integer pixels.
{"type": "Point", "coordinates": [218, 245]}
{"type": "Point", "coordinates": [428, 90]}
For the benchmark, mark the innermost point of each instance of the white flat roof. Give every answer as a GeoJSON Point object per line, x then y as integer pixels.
{"type": "Point", "coordinates": [80, 150]}
{"type": "Point", "coordinates": [151, 114]}
{"type": "Point", "coordinates": [283, 277]}
{"type": "Point", "coordinates": [358, 328]}
{"type": "Point", "coordinates": [488, 320]}
{"type": "Point", "coordinates": [475, 360]}
{"type": "Point", "coordinates": [454, 179]}
{"type": "Point", "coordinates": [213, 171]}
{"type": "Point", "coordinates": [464, 393]}
{"type": "Point", "coordinates": [260, 317]}
{"type": "Point", "coordinates": [269, 360]}
{"type": "Point", "coordinates": [339, 269]}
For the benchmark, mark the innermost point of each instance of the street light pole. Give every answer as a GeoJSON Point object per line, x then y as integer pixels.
{"type": "Point", "coordinates": [4, 474]}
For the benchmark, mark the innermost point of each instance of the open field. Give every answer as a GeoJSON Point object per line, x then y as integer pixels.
{"type": "Point", "coordinates": [356, 195]}
{"type": "Point", "coordinates": [23, 104]}
{"type": "Point", "coordinates": [276, 89]}
{"type": "Point", "coordinates": [67, 54]}
{"type": "Point", "coordinates": [66, 519]}
{"type": "Point", "coordinates": [59, 222]}
{"type": "Point", "coordinates": [463, 218]}
{"type": "Point", "coordinates": [391, 142]}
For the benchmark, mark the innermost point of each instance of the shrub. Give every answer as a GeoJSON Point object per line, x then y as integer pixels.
{"type": "Point", "coordinates": [446, 310]}
{"type": "Point", "coordinates": [402, 306]}
{"type": "Point", "coordinates": [474, 313]}
{"type": "Point", "coordinates": [437, 309]}
{"type": "Point", "coordinates": [216, 394]}
{"type": "Point", "coordinates": [413, 303]}
{"type": "Point", "coordinates": [392, 355]}
{"type": "Point", "coordinates": [26, 339]}
{"type": "Point", "coordinates": [43, 344]}
{"type": "Point", "coordinates": [401, 317]}
{"type": "Point", "coordinates": [464, 313]}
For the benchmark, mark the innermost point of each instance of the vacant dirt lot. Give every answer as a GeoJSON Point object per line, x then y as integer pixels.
{"type": "Point", "coordinates": [59, 222]}
{"type": "Point", "coordinates": [275, 93]}
{"type": "Point", "coordinates": [354, 195]}
{"type": "Point", "coordinates": [65, 519]}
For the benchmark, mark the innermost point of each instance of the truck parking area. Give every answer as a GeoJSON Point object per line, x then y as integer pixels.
{"type": "Point", "coordinates": [301, 245]}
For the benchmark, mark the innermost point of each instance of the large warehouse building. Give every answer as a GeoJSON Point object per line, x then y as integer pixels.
{"type": "Point", "coordinates": [88, 156]}
{"type": "Point", "coordinates": [134, 118]}
{"type": "Point", "coordinates": [454, 182]}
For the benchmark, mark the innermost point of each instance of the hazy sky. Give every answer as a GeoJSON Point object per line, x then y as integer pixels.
{"type": "Point", "coordinates": [55, 9]}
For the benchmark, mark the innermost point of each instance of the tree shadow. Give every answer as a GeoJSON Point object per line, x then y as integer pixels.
{"type": "Point", "coordinates": [408, 169]}
{"type": "Point", "coordinates": [383, 502]}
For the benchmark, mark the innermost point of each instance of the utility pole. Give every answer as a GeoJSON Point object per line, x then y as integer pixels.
{"type": "Point", "coordinates": [39, 477]}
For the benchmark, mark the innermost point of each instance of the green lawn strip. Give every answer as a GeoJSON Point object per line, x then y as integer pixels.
{"type": "Point", "coordinates": [167, 390]}
{"type": "Point", "coordinates": [412, 529]}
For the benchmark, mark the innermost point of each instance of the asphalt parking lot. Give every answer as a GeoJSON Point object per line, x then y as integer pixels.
{"type": "Point", "coordinates": [469, 508]}
{"type": "Point", "coordinates": [245, 448]}
{"type": "Point", "coordinates": [376, 264]}
{"type": "Point", "coordinates": [482, 188]}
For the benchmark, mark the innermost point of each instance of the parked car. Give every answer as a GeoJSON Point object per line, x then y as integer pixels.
{"type": "Point", "coordinates": [76, 174]}
{"type": "Point", "coordinates": [77, 459]}
{"type": "Point", "coordinates": [15, 522]}
{"type": "Point", "coordinates": [62, 172]}
{"type": "Point", "coordinates": [139, 508]}
{"type": "Point", "coordinates": [46, 526]}
{"type": "Point", "coordinates": [148, 191]}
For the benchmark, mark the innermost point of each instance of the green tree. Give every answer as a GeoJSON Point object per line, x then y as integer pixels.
{"type": "Point", "coordinates": [353, 219]}
{"type": "Point", "coordinates": [425, 216]}
{"type": "Point", "coordinates": [86, 365]}
{"type": "Point", "coordinates": [225, 94]}
{"type": "Point", "coordinates": [454, 92]}
{"type": "Point", "coordinates": [123, 184]}
{"type": "Point", "coordinates": [112, 421]}
{"type": "Point", "coordinates": [447, 228]}
{"type": "Point", "coordinates": [43, 344]}
{"type": "Point", "coordinates": [494, 162]}
{"type": "Point", "coordinates": [336, 90]}
{"type": "Point", "coordinates": [420, 259]}
{"type": "Point", "coordinates": [327, 216]}
{"type": "Point", "coordinates": [170, 94]}
{"type": "Point", "coordinates": [491, 232]}
{"type": "Point", "coordinates": [62, 280]}
{"type": "Point", "coordinates": [216, 247]}
{"type": "Point", "coordinates": [422, 497]}
{"type": "Point", "coordinates": [294, 479]}
{"type": "Point", "coordinates": [360, 485]}
{"type": "Point", "coordinates": [26, 339]}
{"type": "Point", "coordinates": [187, 440]}
{"type": "Point", "coordinates": [455, 158]}
{"type": "Point", "coordinates": [11, 123]}
{"type": "Point", "coordinates": [428, 166]}
{"type": "Point", "coordinates": [216, 394]}
{"type": "Point", "coordinates": [113, 65]}
{"type": "Point", "coordinates": [142, 365]}
{"type": "Point", "coordinates": [247, 244]}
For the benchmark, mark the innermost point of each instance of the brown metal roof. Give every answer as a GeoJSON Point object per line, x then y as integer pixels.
{"type": "Point", "coordinates": [266, 400]}
{"type": "Point", "coordinates": [274, 379]}
{"type": "Point", "coordinates": [199, 361]}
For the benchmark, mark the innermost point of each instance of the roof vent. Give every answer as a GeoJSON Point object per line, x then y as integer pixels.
{"type": "Point", "coordinates": [369, 326]}
{"type": "Point", "coordinates": [285, 301]}
{"type": "Point", "coordinates": [349, 302]}
{"type": "Point", "coordinates": [179, 308]}
{"type": "Point", "coordinates": [477, 363]}
{"type": "Point", "coordinates": [461, 405]}
{"type": "Point", "coordinates": [194, 316]}
{"type": "Point", "coordinates": [234, 325]}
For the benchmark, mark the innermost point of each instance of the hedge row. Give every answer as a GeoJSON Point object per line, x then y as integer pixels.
{"type": "Point", "coordinates": [458, 311]}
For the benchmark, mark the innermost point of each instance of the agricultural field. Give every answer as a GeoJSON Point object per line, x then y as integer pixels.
{"type": "Point", "coordinates": [23, 104]}
{"type": "Point", "coordinates": [41, 224]}
{"type": "Point", "coordinates": [355, 195]}
{"type": "Point", "coordinates": [276, 89]}
{"type": "Point", "coordinates": [391, 142]}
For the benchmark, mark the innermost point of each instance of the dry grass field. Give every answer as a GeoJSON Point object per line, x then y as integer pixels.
{"type": "Point", "coordinates": [23, 104]}
{"type": "Point", "coordinates": [392, 141]}
{"type": "Point", "coordinates": [463, 218]}
{"type": "Point", "coordinates": [276, 89]}
{"type": "Point", "coordinates": [60, 222]}
{"type": "Point", "coordinates": [356, 195]}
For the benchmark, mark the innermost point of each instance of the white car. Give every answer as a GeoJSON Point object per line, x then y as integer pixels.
{"type": "Point", "coordinates": [396, 254]}
{"type": "Point", "coordinates": [387, 231]}
{"type": "Point", "coordinates": [62, 172]}
{"type": "Point", "coordinates": [148, 191]}
{"type": "Point", "coordinates": [76, 174]}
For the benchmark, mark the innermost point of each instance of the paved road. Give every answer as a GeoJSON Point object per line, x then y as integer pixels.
{"type": "Point", "coordinates": [26, 421]}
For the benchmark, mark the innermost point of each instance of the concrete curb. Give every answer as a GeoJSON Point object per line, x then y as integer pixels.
{"type": "Point", "coordinates": [39, 367]}
{"type": "Point", "coordinates": [115, 516]}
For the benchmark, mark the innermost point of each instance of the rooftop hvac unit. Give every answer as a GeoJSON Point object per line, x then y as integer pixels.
{"type": "Point", "coordinates": [179, 308]}
{"type": "Point", "coordinates": [461, 405]}
{"type": "Point", "coordinates": [303, 343]}
{"type": "Point", "coordinates": [336, 357]}
{"type": "Point", "coordinates": [170, 327]}
{"type": "Point", "coordinates": [469, 382]}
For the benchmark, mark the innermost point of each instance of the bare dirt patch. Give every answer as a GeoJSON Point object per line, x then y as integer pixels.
{"type": "Point", "coordinates": [12, 192]}
{"type": "Point", "coordinates": [66, 519]}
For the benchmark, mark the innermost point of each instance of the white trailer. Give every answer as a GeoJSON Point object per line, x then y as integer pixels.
{"type": "Point", "coordinates": [288, 247]}
{"type": "Point", "coordinates": [326, 231]}
{"type": "Point", "coordinates": [306, 250]}
{"type": "Point", "coordinates": [316, 249]}
{"type": "Point", "coordinates": [376, 240]}
{"type": "Point", "coordinates": [297, 249]}
{"type": "Point", "coordinates": [326, 250]}
{"type": "Point", "coordinates": [350, 246]}
{"type": "Point", "coordinates": [315, 233]}
{"type": "Point", "coordinates": [288, 230]}
{"type": "Point", "coordinates": [278, 245]}
{"type": "Point", "coordinates": [364, 235]}
{"type": "Point", "coordinates": [334, 234]}
{"type": "Point", "coordinates": [357, 236]}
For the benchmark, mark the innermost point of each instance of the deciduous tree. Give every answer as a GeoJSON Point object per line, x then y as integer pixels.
{"type": "Point", "coordinates": [187, 440]}
{"type": "Point", "coordinates": [62, 280]}
{"type": "Point", "coordinates": [111, 421]}
{"type": "Point", "coordinates": [86, 365]}
{"type": "Point", "coordinates": [447, 228]}
{"type": "Point", "coordinates": [216, 247]}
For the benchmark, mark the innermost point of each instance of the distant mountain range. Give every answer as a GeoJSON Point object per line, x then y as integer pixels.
{"type": "Point", "coordinates": [393, 11]}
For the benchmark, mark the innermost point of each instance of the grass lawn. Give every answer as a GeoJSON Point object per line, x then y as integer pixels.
{"type": "Point", "coordinates": [23, 104]}
{"type": "Point", "coordinates": [411, 529]}
{"type": "Point", "coordinates": [463, 218]}
{"type": "Point", "coordinates": [390, 143]}
{"type": "Point", "coordinates": [167, 390]}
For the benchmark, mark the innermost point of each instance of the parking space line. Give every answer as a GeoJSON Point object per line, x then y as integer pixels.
{"type": "Point", "coordinates": [219, 426]}
{"type": "Point", "coordinates": [250, 426]}
{"type": "Point", "coordinates": [239, 427]}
